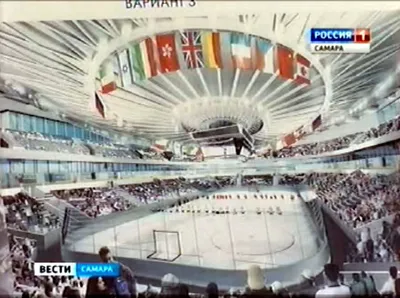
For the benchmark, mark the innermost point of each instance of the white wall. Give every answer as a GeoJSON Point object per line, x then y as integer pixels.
{"type": "Point", "coordinates": [10, 191]}
{"type": "Point", "coordinates": [365, 123]}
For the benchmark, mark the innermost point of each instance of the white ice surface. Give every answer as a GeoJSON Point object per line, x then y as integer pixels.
{"type": "Point", "coordinates": [228, 241]}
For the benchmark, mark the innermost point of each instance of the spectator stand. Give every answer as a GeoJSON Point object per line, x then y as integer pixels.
{"type": "Point", "coordinates": [28, 218]}
{"type": "Point", "coordinates": [384, 133]}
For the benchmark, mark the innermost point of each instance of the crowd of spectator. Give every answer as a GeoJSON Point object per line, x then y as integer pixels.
{"type": "Point", "coordinates": [27, 284]}
{"type": "Point", "coordinates": [358, 198]}
{"type": "Point", "coordinates": [333, 284]}
{"type": "Point", "coordinates": [94, 202]}
{"type": "Point", "coordinates": [383, 246]}
{"type": "Point", "coordinates": [381, 130]}
{"type": "Point", "coordinates": [38, 141]}
{"type": "Point", "coordinates": [26, 213]}
{"type": "Point", "coordinates": [113, 150]}
{"type": "Point", "coordinates": [157, 190]}
{"type": "Point", "coordinates": [318, 147]}
{"type": "Point", "coordinates": [337, 143]}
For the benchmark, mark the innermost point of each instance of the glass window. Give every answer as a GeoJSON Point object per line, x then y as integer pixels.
{"type": "Point", "coordinates": [26, 122]}
{"type": "Point", "coordinates": [75, 166]}
{"type": "Point", "coordinates": [51, 126]}
{"type": "Point", "coordinates": [78, 132]}
{"type": "Point", "coordinates": [29, 166]}
{"type": "Point", "coordinates": [39, 124]}
{"type": "Point", "coordinates": [60, 129]}
{"type": "Point", "coordinates": [54, 167]}
{"type": "Point", "coordinates": [42, 166]}
{"type": "Point", "coordinates": [17, 166]}
{"type": "Point", "coordinates": [64, 167]}
{"type": "Point", "coordinates": [13, 121]}
{"type": "Point", "coordinates": [70, 131]}
{"type": "Point", "coordinates": [18, 122]}
{"type": "Point", "coordinates": [93, 137]}
{"type": "Point", "coordinates": [86, 135]}
{"type": "Point", "coordinates": [4, 166]}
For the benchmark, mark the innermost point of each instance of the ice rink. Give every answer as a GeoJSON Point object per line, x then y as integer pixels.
{"type": "Point", "coordinates": [224, 241]}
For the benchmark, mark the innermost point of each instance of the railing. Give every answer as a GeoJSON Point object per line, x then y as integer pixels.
{"type": "Point", "coordinates": [129, 234]}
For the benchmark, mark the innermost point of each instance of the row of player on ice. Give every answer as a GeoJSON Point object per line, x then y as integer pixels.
{"type": "Point", "coordinates": [255, 196]}
{"type": "Point", "coordinates": [226, 210]}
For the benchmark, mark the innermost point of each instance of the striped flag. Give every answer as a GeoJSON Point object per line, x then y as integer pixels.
{"type": "Point", "coordinates": [241, 51]}
{"type": "Point", "coordinates": [211, 49]}
{"type": "Point", "coordinates": [263, 55]}
{"type": "Point", "coordinates": [126, 71]}
{"type": "Point", "coordinates": [143, 62]}
{"type": "Point", "coordinates": [107, 78]}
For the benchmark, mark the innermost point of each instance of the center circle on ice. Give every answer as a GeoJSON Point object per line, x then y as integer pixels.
{"type": "Point", "coordinates": [247, 243]}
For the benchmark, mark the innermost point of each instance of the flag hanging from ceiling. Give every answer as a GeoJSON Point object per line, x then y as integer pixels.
{"type": "Point", "coordinates": [167, 53]}
{"type": "Point", "coordinates": [263, 55]}
{"type": "Point", "coordinates": [144, 64]}
{"type": "Point", "coordinates": [225, 49]}
{"type": "Point", "coordinates": [125, 66]}
{"type": "Point", "coordinates": [157, 148]}
{"type": "Point", "coordinates": [289, 140]}
{"type": "Point", "coordinates": [192, 49]}
{"type": "Point", "coordinates": [316, 123]}
{"type": "Point", "coordinates": [302, 70]}
{"type": "Point", "coordinates": [284, 62]}
{"type": "Point", "coordinates": [99, 105]}
{"type": "Point", "coordinates": [241, 51]}
{"type": "Point", "coordinates": [211, 49]}
{"type": "Point", "coordinates": [107, 78]}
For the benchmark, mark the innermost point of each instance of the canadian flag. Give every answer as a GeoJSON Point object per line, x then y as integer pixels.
{"type": "Point", "coordinates": [302, 70]}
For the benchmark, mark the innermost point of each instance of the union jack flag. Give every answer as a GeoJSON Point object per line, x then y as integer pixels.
{"type": "Point", "coordinates": [192, 49]}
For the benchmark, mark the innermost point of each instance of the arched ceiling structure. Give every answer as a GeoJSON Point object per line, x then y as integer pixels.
{"type": "Point", "coordinates": [60, 60]}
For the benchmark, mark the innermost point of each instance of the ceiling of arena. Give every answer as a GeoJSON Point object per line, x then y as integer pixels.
{"type": "Point", "coordinates": [60, 61]}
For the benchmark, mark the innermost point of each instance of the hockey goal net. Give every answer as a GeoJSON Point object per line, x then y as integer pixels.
{"type": "Point", "coordinates": [167, 246]}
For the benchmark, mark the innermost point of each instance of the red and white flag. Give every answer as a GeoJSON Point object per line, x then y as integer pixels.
{"type": "Point", "coordinates": [302, 70]}
{"type": "Point", "coordinates": [167, 53]}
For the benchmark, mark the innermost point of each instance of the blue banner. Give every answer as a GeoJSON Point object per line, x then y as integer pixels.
{"type": "Point", "coordinates": [327, 35]}
{"type": "Point", "coordinates": [98, 269]}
